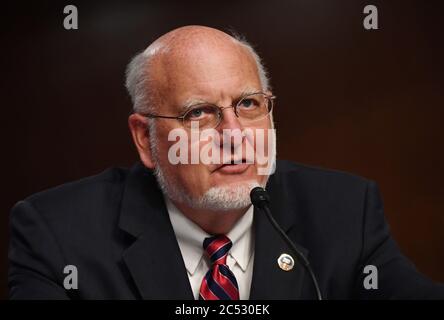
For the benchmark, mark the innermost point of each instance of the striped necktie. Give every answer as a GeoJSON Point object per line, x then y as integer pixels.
{"type": "Point", "coordinates": [219, 282]}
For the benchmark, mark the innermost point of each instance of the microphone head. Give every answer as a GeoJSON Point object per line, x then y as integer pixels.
{"type": "Point", "coordinates": [259, 197]}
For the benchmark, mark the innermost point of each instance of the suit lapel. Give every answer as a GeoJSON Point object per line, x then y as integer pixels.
{"type": "Point", "coordinates": [269, 280]}
{"type": "Point", "coordinates": [154, 259]}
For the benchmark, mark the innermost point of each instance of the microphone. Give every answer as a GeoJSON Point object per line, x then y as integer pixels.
{"type": "Point", "coordinates": [260, 199]}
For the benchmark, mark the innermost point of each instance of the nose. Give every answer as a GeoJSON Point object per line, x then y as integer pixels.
{"type": "Point", "coordinates": [231, 129]}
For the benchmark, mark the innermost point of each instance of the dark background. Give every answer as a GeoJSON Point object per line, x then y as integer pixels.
{"type": "Point", "coordinates": [367, 102]}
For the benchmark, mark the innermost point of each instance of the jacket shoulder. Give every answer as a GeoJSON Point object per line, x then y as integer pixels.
{"type": "Point", "coordinates": [86, 192]}
{"type": "Point", "coordinates": [287, 168]}
{"type": "Point", "coordinates": [319, 183]}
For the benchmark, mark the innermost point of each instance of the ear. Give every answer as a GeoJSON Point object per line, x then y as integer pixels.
{"type": "Point", "coordinates": [268, 92]}
{"type": "Point", "coordinates": [138, 125]}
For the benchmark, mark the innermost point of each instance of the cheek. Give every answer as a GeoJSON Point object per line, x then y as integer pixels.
{"type": "Point", "coordinates": [260, 140]}
{"type": "Point", "coordinates": [182, 154]}
{"type": "Point", "coordinates": [193, 178]}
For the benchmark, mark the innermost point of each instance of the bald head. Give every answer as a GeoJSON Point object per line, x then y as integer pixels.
{"type": "Point", "coordinates": [185, 57]}
{"type": "Point", "coordinates": [190, 37]}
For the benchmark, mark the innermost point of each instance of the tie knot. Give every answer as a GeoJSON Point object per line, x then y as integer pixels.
{"type": "Point", "coordinates": [217, 248]}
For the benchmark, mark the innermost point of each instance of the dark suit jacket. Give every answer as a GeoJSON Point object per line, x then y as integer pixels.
{"type": "Point", "coordinates": [115, 229]}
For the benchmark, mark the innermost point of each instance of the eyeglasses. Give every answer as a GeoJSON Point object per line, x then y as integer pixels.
{"type": "Point", "coordinates": [249, 108]}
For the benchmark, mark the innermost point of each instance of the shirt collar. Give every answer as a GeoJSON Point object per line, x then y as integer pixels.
{"type": "Point", "coordinates": [190, 238]}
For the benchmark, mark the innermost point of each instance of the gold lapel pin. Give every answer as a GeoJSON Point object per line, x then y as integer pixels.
{"type": "Point", "coordinates": [285, 262]}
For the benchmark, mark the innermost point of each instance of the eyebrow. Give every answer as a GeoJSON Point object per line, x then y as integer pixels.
{"type": "Point", "coordinates": [248, 91]}
{"type": "Point", "coordinates": [190, 103]}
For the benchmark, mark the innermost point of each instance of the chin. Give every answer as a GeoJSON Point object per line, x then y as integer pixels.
{"type": "Point", "coordinates": [232, 182]}
{"type": "Point", "coordinates": [225, 197]}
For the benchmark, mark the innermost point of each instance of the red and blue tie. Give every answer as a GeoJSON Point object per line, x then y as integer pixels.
{"type": "Point", "coordinates": [219, 282]}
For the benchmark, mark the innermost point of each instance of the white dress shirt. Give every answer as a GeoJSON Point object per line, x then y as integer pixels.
{"type": "Point", "coordinates": [240, 257]}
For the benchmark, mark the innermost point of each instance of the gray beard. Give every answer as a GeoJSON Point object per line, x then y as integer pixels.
{"type": "Point", "coordinates": [220, 198]}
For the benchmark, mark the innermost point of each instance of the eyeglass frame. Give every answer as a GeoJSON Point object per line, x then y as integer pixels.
{"type": "Point", "coordinates": [221, 109]}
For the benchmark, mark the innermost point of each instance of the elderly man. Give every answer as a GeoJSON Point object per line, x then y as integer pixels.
{"type": "Point", "coordinates": [169, 229]}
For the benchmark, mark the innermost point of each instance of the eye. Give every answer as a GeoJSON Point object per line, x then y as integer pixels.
{"type": "Point", "coordinates": [198, 113]}
{"type": "Point", "coordinates": [248, 103]}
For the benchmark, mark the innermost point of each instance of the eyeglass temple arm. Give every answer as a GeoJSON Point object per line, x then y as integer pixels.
{"type": "Point", "coordinates": [152, 116]}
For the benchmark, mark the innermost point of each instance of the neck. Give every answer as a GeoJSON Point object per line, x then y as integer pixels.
{"type": "Point", "coordinates": [212, 222]}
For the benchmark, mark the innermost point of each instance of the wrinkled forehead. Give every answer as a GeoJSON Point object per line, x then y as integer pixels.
{"type": "Point", "coordinates": [207, 70]}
